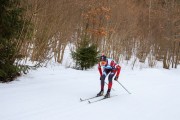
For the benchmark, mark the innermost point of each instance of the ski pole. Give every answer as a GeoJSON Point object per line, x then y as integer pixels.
{"type": "Point", "coordinates": [111, 88]}
{"type": "Point", "coordinates": [123, 87]}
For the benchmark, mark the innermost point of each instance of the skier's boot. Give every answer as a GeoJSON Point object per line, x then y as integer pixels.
{"type": "Point", "coordinates": [100, 93]}
{"type": "Point", "coordinates": [107, 95]}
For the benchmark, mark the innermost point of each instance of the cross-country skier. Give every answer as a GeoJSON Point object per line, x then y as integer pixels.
{"type": "Point", "coordinates": [107, 66]}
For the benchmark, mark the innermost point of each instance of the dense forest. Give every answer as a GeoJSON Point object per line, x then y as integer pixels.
{"type": "Point", "coordinates": [39, 30]}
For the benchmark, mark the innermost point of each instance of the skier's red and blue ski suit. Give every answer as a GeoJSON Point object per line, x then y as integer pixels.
{"type": "Point", "coordinates": [109, 68]}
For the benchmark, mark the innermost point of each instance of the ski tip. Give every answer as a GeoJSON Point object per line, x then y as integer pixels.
{"type": "Point", "coordinates": [89, 102]}
{"type": "Point", "coordinates": [81, 100]}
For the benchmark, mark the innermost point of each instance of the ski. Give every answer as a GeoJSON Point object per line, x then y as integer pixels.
{"type": "Point", "coordinates": [99, 99]}
{"type": "Point", "coordinates": [89, 98]}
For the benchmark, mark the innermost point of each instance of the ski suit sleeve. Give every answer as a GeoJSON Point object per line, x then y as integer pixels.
{"type": "Point", "coordinates": [118, 69]}
{"type": "Point", "coordinates": [100, 70]}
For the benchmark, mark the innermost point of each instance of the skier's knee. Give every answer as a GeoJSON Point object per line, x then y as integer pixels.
{"type": "Point", "coordinates": [110, 78]}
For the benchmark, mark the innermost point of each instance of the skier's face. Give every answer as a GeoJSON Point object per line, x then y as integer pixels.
{"type": "Point", "coordinates": [103, 63]}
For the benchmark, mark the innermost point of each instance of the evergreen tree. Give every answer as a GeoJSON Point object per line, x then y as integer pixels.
{"type": "Point", "coordinates": [85, 56]}
{"type": "Point", "coordinates": [11, 26]}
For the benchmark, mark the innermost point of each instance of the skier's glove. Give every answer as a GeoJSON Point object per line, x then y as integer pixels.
{"type": "Point", "coordinates": [101, 77]}
{"type": "Point", "coordinates": [116, 78]}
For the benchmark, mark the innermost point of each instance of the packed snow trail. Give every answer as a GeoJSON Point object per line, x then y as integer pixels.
{"type": "Point", "coordinates": [53, 93]}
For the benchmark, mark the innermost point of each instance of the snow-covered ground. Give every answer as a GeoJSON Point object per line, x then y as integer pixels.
{"type": "Point", "coordinates": [53, 93]}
